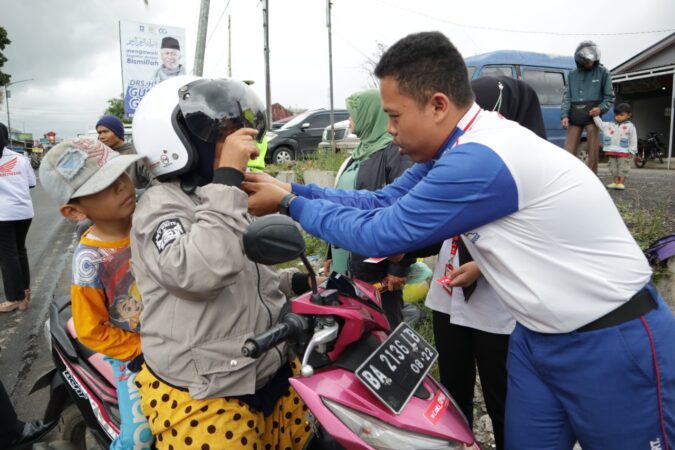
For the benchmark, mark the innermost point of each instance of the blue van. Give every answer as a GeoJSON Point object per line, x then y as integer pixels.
{"type": "Point", "coordinates": [547, 74]}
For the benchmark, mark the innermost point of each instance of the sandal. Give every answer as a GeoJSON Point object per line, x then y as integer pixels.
{"type": "Point", "coordinates": [8, 306]}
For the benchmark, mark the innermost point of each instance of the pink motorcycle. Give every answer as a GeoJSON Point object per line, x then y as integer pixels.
{"type": "Point", "coordinates": [366, 388]}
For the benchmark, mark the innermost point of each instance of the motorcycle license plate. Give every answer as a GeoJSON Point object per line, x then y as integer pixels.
{"type": "Point", "coordinates": [397, 367]}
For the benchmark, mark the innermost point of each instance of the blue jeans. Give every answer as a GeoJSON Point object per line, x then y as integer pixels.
{"type": "Point", "coordinates": [135, 432]}
{"type": "Point", "coordinates": [612, 388]}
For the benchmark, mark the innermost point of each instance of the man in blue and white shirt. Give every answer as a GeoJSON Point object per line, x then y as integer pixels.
{"type": "Point", "coordinates": [593, 355]}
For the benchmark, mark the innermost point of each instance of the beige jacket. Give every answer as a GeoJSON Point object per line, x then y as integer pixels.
{"type": "Point", "coordinates": [200, 292]}
{"type": "Point", "coordinates": [140, 175]}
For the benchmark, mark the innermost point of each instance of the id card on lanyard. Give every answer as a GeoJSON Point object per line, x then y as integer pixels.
{"type": "Point", "coordinates": [446, 279]}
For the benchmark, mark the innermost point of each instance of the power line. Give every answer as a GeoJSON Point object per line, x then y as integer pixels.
{"type": "Point", "coordinates": [217, 23]}
{"type": "Point", "coordinates": [507, 30]}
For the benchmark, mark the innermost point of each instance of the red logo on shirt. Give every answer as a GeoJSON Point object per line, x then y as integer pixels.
{"type": "Point", "coordinates": [7, 169]}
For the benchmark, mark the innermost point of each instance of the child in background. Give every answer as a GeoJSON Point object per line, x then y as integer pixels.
{"type": "Point", "coordinates": [88, 180]}
{"type": "Point", "coordinates": [619, 141]}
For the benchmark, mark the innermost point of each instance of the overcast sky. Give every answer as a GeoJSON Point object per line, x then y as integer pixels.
{"type": "Point", "coordinates": [71, 47]}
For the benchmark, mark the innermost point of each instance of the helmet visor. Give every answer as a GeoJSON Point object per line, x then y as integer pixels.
{"type": "Point", "coordinates": [587, 54]}
{"type": "Point", "coordinates": [213, 109]}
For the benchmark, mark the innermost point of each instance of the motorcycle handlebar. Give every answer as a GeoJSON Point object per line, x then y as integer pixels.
{"type": "Point", "coordinates": [290, 325]}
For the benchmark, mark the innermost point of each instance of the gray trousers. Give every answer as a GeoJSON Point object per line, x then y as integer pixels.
{"type": "Point", "coordinates": [593, 140]}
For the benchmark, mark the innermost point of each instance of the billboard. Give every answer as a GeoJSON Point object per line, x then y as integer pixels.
{"type": "Point", "coordinates": [150, 54]}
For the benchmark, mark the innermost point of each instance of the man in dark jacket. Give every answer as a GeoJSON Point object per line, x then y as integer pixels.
{"type": "Point", "coordinates": [110, 131]}
{"type": "Point", "coordinates": [588, 94]}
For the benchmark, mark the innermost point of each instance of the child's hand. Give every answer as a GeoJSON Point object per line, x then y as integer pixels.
{"type": "Point", "coordinates": [238, 149]}
{"type": "Point", "coordinates": [465, 275]}
{"type": "Point", "coordinates": [326, 266]}
{"type": "Point", "coordinates": [595, 112]}
{"type": "Point", "coordinates": [394, 283]}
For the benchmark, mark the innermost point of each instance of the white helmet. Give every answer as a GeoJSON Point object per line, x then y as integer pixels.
{"type": "Point", "coordinates": [179, 121]}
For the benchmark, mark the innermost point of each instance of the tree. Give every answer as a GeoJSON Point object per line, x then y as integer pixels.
{"type": "Point", "coordinates": [4, 41]}
{"type": "Point", "coordinates": [116, 108]}
{"type": "Point", "coordinates": [370, 63]}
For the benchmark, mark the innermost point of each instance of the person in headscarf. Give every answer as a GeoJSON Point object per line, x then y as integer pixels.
{"type": "Point", "coordinates": [375, 162]}
{"type": "Point", "coordinates": [588, 94]}
{"type": "Point", "coordinates": [513, 99]}
{"type": "Point", "coordinates": [169, 53]}
{"type": "Point", "coordinates": [468, 315]}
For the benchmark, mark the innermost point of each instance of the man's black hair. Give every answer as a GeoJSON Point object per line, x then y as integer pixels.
{"type": "Point", "coordinates": [425, 63]}
{"type": "Point", "coordinates": [623, 108]}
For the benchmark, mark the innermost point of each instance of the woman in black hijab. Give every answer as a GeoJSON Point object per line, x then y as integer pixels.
{"type": "Point", "coordinates": [513, 99]}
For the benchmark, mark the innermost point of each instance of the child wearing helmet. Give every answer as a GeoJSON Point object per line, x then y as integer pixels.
{"type": "Point", "coordinates": [202, 297]}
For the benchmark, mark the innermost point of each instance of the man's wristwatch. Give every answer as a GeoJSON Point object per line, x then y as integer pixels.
{"type": "Point", "coordinates": [285, 202]}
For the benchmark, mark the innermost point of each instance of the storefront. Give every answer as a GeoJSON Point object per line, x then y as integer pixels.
{"type": "Point", "coordinates": [646, 81]}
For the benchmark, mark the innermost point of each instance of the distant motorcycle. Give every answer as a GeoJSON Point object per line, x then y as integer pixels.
{"type": "Point", "coordinates": [35, 160]}
{"type": "Point", "coordinates": [649, 149]}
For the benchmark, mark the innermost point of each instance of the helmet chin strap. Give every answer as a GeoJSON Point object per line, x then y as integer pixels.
{"type": "Point", "coordinates": [188, 183]}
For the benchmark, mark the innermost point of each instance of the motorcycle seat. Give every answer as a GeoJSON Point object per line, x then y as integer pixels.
{"type": "Point", "coordinates": [95, 359]}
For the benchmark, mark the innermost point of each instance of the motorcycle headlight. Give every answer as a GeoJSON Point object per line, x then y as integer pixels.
{"type": "Point", "coordinates": [384, 436]}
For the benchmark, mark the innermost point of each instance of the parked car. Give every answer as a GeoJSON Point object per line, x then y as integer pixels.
{"type": "Point", "coordinates": [300, 135]}
{"type": "Point", "coordinates": [281, 122]}
{"type": "Point", "coordinates": [344, 139]}
{"type": "Point", "coordinates": [547, 74]}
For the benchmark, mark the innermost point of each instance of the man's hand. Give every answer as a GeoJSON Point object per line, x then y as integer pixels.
{"type": "Point", "coordinates": [595, 112]}
{"type": "Point", "coordinates": [565, 122]}
{"type": "Point", "coordinates": [394, 283]}
{"type": "Point", "coordinates": [238, 149]}
{"type": "Point", "coordinates": [263, 198]}
{"type": "Point", "coordinates": [465, 275]}
{"type": "Point", "coordinates": [257, 177]}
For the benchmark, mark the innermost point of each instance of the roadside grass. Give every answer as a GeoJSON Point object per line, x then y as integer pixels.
{"type": "Point", "coordinates": [319, 160]}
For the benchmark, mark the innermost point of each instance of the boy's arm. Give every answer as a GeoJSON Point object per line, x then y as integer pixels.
{"type": "Point", "coordinates": [191, 251]}
{"type": "Point", "coordinates": [633, 140]}
{"type": "Point", "coordinates": [90, 316]}
{"type": "Point", "coordinates": [599, 123]}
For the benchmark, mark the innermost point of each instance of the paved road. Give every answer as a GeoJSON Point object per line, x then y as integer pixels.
{"type": "Point", "coordinates": [24, 354]}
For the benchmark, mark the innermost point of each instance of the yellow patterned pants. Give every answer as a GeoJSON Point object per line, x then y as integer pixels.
{"type": "Point", "coordinates": [180, 422]}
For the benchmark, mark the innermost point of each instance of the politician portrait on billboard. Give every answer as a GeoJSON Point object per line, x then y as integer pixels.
{"type": "Point", "coordinates": [150, 54]}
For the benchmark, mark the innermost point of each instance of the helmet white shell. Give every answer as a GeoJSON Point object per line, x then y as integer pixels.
{"type": "Point", "coordinates": [155, 129]}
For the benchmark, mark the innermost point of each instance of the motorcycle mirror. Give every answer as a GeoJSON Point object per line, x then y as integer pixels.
{"type": "Point", "coordinates": [273, 240]}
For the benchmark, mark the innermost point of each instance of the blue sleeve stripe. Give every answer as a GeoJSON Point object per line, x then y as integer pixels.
{"type": "Point", "coordinates": [468, 187]}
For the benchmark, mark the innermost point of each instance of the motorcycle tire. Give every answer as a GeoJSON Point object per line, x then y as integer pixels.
{"type": "Point", "coordinates": [73, 428]}
{"type": "Point", "coordinates": [639, 161]}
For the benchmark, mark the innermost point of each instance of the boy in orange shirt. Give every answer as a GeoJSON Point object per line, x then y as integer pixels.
{"type": "Point", "coordinates": [88, 180]}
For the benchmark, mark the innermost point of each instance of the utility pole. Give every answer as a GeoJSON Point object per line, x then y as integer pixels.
{"type": "Point", "coordinates": [330, 74]}
{"type": "Point", "coordinates": [7, 94]}
{"type": "Point", "coordinates": [229, 46]}
{"type": "Point", "coordinates": [201, 37]}
{"type": "Point", "coordinates": [268, 89]}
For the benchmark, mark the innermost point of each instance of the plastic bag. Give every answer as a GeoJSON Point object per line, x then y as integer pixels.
{"type": "Point", "coordinates": [417, 282]}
